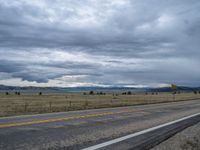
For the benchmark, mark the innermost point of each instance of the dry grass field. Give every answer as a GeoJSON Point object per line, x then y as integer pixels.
{"type": "Point", "coordinates": [33, 103]}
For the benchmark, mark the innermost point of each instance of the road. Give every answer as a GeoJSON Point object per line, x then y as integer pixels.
{"type": "Point", "coordinates": [82, 129]}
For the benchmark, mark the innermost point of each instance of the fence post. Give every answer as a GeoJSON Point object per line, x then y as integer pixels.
{"type": "Point", "coordinates": [50, 106]}
{"type": "Point", "coordinates": [66, 108]}
{"type": "Point", "coordinates": [25, 107]}
{"type": "Point", "coordinates": [86, 104]}
{"type": "Point", "coordinates": [174, 97]}
{"type": "Point", "coordinates": [70, 104]}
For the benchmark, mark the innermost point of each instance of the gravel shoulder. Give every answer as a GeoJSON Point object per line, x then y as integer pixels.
{"type": "Point", "coordinates": [188, 139]}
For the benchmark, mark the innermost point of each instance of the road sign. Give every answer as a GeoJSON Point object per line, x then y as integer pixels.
{"type": "Point", "coordinates": [174, 86]}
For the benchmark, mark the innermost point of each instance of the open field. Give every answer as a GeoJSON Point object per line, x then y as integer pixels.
{"type": "Point", "coordinates": [33, 103]}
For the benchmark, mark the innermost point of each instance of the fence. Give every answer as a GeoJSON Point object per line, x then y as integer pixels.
{"type": "Point", "coordinates": [30, 104]}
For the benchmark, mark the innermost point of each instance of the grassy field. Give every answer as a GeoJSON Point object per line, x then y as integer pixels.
{"type": "Point", "coordinates": [33, 103]}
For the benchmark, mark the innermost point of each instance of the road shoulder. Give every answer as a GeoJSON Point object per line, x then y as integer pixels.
{"type": "Point", "coordinates": [188, 139]}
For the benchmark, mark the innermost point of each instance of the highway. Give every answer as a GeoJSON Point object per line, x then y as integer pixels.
{"type": "Point", "coordinates": [87, 128]}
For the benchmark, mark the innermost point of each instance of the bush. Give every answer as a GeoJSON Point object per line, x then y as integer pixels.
{"type": "Point", "coordinates": [17, 93]}
{"type": "Point", "coordinates": [124, 93]}
{"type": "Point", "coordinates": [195, 92]}
{"type": "Point", "coordinates": [91, 92]}
{"type": "Point", "coordinates": [129, 93]}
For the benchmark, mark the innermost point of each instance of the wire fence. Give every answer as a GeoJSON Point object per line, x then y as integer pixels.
{"type": "Point", "coordinates": [15, 105]}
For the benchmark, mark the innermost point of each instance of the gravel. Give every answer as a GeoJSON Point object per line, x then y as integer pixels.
{"type": "Point", "coordinates": [188, 139]}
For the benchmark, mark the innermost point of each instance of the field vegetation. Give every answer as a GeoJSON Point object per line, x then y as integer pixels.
{"type": "Point", "coordinates": [16, 103]}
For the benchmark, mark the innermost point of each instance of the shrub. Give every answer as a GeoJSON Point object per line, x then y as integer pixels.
{"type": "Point", "coordinates": [195, 92]}
{"type": "Point", "coordinates": [129, 92]}
{"type": "Point", "coordinates": [91, 92]}
{"type": "Point", "coordinates": [124, 93]}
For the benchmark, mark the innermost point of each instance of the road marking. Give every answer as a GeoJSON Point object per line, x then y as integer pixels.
{"type": "Point", "coordinates": [66, 118]}
{"type": "Point", "coordinates": [98, 146]}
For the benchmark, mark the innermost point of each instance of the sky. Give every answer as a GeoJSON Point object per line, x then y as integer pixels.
{"type": "Point", "coordinates": [69, 43]}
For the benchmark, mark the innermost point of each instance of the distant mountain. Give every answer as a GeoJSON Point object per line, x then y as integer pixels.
{"type": "Point", "coordinates": [28, 89]}
{"type": "Point", "coordinates": [64, 89]}
{"type": "Point", "coordinates": [179, 88]}
{"type": "Point", "coordinates": [86, 89]}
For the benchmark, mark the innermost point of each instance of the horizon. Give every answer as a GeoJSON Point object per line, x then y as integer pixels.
{"type": "Point", "coordinates": [106, 87]}
{"type": "Point", "coordinates": [85, 43]}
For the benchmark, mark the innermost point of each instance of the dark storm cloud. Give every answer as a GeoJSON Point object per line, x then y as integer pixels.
{"type": "Point", "coordinates": [43, 71]}
{"type": "Point", "coordinates": [100, 42]}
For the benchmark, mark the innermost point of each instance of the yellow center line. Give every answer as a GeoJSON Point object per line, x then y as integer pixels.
{"type": "Point", "coordinates": [65, 119]}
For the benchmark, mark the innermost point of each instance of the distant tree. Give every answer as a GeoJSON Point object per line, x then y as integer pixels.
{"type": "Point", "coordinates": [17, 93]}
{"type": "Point", "coordinates": [199, 92]}
{"type": "Point", "coordinates": [129, 93]}
{"type": "Point", "coordinates": [152, 93]}
{"type": "Point", "coordinates": [124, 93]}
{"type": "Point", "coordinates": [146, 93]}
{"type": "Point", "coordinates": [195, 92]}
{"type": "Point", "coordinates": [40, 93]}
{"type": "Point", "coordinates": [7, 93]}
{"type": "Point", "coordinates": [91, 92]}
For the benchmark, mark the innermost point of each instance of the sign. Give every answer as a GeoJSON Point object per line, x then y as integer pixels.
{"type": "Point", "coordinates": [174, 86]}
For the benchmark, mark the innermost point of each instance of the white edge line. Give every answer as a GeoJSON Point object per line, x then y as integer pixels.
{"type": "Point", "coordinates": [137, 133]}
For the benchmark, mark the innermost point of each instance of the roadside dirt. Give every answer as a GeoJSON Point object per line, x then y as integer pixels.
{"type": "Point", "coordinates": [188, 139]}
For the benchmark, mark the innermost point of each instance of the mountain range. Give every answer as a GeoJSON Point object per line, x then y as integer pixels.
{"type": "Point", "coordinates": [85, 89]}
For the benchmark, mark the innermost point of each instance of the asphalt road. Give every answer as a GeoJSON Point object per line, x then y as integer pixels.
{"type": "Point", "coordinates": [82, 129]}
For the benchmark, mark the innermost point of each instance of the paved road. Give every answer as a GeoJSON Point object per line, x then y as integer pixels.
{"type": "Point", "coordinates": [81, 129]}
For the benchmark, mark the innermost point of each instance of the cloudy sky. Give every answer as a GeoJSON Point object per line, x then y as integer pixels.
{"type": "Point", "coordinates": [99, 42]}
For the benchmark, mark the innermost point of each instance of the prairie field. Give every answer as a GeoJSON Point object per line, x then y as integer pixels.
{"type": "Point", "coordinates": [27, 103]}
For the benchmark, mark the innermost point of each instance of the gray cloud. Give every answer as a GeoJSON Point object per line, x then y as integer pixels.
{"type": "Point", "coordinates": [100, 42]}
